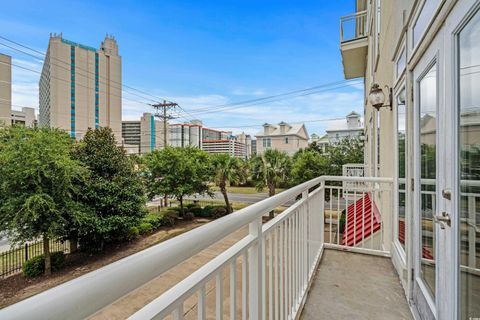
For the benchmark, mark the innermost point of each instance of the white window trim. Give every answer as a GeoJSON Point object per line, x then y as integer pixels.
{"type": "Point", "coordinates": [401, 252]}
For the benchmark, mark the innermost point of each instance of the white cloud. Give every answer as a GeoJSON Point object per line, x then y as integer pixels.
{"type": "Point", "coordinates": [248, 92]}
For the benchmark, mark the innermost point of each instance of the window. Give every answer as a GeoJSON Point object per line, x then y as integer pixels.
{"type": "Point", "coordinates": [267, 142]}
{"type": "Point", "coordinates": [423, 19]}
{"type": "Point", "coordinates": [401, 62]}
{"type": "Point", "coordinates": [286, 140]}
{"type": "Point", "coordinates": [401, 170]}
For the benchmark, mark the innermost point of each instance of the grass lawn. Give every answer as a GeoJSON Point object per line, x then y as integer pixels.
{"type": "Point", "coordinates": [246, 190]}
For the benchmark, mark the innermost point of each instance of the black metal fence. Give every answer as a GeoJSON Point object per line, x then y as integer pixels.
{"type": "Point", "coordinates": [12, 261]}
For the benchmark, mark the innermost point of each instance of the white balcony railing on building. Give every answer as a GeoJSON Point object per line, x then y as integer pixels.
{"type": "Point", "coordinates": [265, 275]}
{"type": "Point", "coordinates": [353, 26]}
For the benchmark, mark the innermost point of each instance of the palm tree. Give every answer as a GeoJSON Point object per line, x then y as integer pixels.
{"type": "Point", "coordinates": [269, 170]}
{"type": "Point", "coordinates": [227, 170]}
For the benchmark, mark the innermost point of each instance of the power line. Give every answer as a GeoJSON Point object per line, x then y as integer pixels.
{"type": "Point", "coordinates": [239, 105]}
{"type": "Point", "coordinates": [276, 95]}
{"type": "Point", "coordinates": [67, 64]}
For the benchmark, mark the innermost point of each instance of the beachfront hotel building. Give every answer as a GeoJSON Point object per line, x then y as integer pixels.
{"type": "Point", "coordinates": [80, 87]}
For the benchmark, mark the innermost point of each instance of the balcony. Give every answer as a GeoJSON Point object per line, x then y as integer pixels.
{"type": "Point", "coordinates": [326, 255]}
{"type": "Point", "coordinates": [354, 44]}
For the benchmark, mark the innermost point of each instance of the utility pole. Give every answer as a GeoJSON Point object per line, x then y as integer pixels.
{"type": "Point", "coordinates": [161, 110]}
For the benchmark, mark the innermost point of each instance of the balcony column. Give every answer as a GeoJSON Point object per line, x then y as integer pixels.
{"type": "Point", "coordinates": [256, 271]}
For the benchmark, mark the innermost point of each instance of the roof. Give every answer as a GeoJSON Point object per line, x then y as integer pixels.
{"type": "Point", "coordinates": [342, 125]}
{"type": "Point", "coordinates": [353, 114]}
{"type": "Point", "coordinates": [361, 224]}
{"type": "Point", "coordinates": [295, 129]}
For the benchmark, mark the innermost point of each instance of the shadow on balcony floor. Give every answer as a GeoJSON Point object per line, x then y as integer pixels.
{"type": "Point", "coordinates": [355, 286]}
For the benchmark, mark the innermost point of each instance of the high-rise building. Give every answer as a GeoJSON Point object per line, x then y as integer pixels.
{"type": "Point", "coordinates": [5, 89]}
{"type": "Point", "coordinates": [143, 136]}
{"type": "Point", "coordinates": [186, 134]}
{"type": "Point", "coordinates": [246, 139]}
{"type": "Point", "coordinates": [81, 87]}
{"type": "Point", "coordinates": [25, 117]}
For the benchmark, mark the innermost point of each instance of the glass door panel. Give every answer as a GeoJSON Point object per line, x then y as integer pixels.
{"type": "Point", "coordinates": [402, 161]}
{"type": "Point", "coordinates": [428, 164]}
{"type": "Point", "coordinates": [469, 168]}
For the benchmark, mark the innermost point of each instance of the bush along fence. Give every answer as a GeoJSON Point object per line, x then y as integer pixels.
{"type": "Point", "coordinates": [12, 261]}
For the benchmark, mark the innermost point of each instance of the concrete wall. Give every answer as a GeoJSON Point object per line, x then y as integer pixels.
{"type": "Point", "coordinates": [5, 89]}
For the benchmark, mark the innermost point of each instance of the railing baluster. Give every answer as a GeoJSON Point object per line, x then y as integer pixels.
{"type": "Point", "coordinates": [270, 275]}
{"type": "Point", "coordinates": [339, 213]}
{"type": "Point", "coordinates": [244, 285]}
{"type": "Point", "coordinates": [285, 270]}
{"type": "Point", "coordinates": [201, 303]}
{"type": "Point", "coordinates": [264, 277]}
{"type": "Point", "coordinates": [330, 220]}
{"type": "Point", "coordinates": [363, 218]}
{"type": "Point", "coordinates": [256, 286]}
{"type": "Point", "coordinates": [276, 282]}
{"type": "Point", "coordinates": [354, 217]}
{"type": "Point", "coordinates": [178, 313]}
{"type": "Point", "coordinates": [233, 289]}
{"type": "Point", "coordinates": [219, 295]}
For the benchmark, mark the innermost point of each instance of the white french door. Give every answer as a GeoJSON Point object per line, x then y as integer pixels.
{"type": "Point", "coordinates": [447, 170]}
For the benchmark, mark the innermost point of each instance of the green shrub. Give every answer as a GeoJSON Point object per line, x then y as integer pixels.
{"type": "Point", "coordinates": [341, 225]}
{"type": "Point", "coordinates": [176, 209]}
{"type": "Point", "coordinates": [207, 211]}
{"type": "Point", "coordinates": [188, 216]}
{"type": "Point", "coordinates": [156, 220]}
{"type": "Point", "coordinates": [191, 205]}
{"type": "Point", "coordinates": [219, 212]}
{"type": "Point", "coordinates": [169, 218]}
{"type": "Point", "coordinates": [35, 266]}
{"type": "Point", "coordinates": [133, 233]}
{"type": "Point", "coordinates": [213, 211]}
{"type": "Point", "coordinates": [145, 227]}
{"type": "Point", "coordinates": [196, 210]}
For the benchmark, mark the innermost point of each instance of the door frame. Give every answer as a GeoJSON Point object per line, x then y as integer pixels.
{"type": "Point", "coordinates": [457, 20]}
{"type": "Point", "coordinates": [427, 306]}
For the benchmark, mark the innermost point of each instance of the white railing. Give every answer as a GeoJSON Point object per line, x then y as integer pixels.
{"type": "Point", "coordinates": [353, 26]}
{"type": "Point", "coordinates": [265, 275]}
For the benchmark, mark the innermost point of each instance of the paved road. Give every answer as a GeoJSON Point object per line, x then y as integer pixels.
{"type": "Point", "coordinates": [4, 244]}
{"type": "Point", "coordinates": [249, 198]}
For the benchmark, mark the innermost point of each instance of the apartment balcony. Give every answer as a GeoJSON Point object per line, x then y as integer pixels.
{"type": "Point", "coordinates": [354, 44]}
{"type": "Point", "coordinates": [325, 257]}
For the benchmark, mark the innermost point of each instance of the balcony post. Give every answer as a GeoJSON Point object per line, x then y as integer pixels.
{"type": "Point", "coordinates": [321, 208]}
{"type": "Point", "coordinates": [255, 272]}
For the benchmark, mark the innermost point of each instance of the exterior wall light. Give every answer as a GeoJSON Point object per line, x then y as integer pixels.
{"type": "Point", "coordinates": [377, 97]}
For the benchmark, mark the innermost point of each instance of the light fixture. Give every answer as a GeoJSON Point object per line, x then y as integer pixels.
{"type": "Point", "coordinates": [377, 97]}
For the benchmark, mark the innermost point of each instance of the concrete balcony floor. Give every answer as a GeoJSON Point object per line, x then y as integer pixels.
{"type": "Point", "coordinates": [355, 286]}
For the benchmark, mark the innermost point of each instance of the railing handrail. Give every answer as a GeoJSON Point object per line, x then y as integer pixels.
{"type": "Point", "coordinates": [353, 15]}
{"type": "Point", "coordinates": [83, 296]}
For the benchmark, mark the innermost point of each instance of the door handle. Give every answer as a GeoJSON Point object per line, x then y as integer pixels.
{"type": "Point", "coordinates": [447, 194]}
{"type": "Point", "coordinates": [443, 219]}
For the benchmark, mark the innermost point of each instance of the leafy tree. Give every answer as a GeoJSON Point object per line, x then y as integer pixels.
{"type": "Point", "coordinates": [347, 150]}
{"type": "Point", "coordinates": [178, 172]}
{"type": "Point", "coordinates": [38, 185]}
{"type": "Point", "coordinates": [227, 170]}
{"type": "Point", "coordinates": [308, 165]}
{"type": "Point", "coordinates": [269, 170]}
{"type": "Point", "coordinates": [114, 193]}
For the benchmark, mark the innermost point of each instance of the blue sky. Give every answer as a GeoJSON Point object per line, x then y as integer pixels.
{"type": "Point", "coordinates": [201, 53]}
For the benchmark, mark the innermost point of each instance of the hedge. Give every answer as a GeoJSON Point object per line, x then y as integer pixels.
{"type": "Point", "coordinates": [35, 266]}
